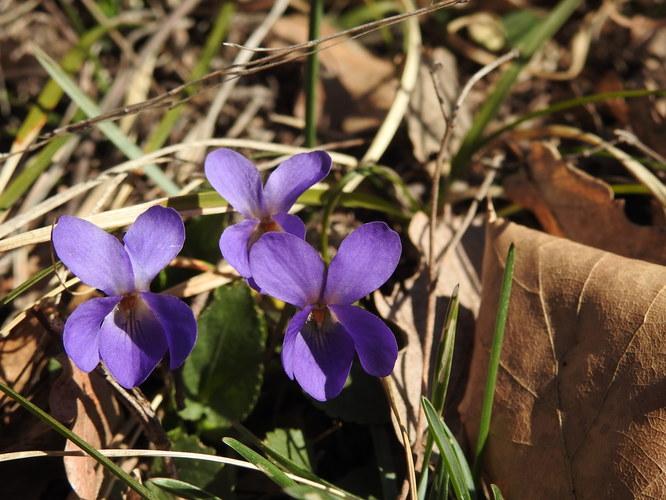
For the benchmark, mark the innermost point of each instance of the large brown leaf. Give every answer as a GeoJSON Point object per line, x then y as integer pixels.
{"type": "Point", "coordinates": [580, 405]}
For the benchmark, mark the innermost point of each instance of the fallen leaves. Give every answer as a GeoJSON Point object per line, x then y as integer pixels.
{"type": "Point", "coordinates": [579, 406]}
{"type": "Point", "coordinates": [87, 399]}
{"type": "Point", "coordinates": [572, 204]}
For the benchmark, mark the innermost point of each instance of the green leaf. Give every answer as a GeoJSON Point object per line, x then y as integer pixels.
{"type": "Point", "coordinates": [192, 471]}
{"type": "Point", "coordinates": [223, 375]}
{"type": "Point", "coordinates": [271, 470]}
{"type": "Point", "coordinates": [453, 456]}
{"type": "Point", "coordinates": [497, 494]}
{"type": "Point", "coordinates": [290, 443]}
{"type": "Point", "coordinates": [183, 489]}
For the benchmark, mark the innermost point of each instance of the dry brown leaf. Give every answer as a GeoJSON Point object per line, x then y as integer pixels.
{"type": "Point", "coordinates": [23, 354]}
{"type": "Point", "coordinates": [570, 203]}
{"type": "Point", "coordinates": [580, 405]}
{"type": "Point", "coordinates": [359, 86]}
{"type": "Point", "coordinates": [406, 307]}
{"type": "Point", "coordinates": [88, 399]}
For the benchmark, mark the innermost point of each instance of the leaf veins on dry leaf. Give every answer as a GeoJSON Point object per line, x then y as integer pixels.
{"type": "Point", "coordinates": [580, 402]}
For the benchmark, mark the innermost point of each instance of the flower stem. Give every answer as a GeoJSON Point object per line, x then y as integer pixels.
{"type": "Point", "coordinates": [312, 75]}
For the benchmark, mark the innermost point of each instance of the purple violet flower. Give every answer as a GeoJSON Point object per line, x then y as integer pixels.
{"type": "Point", "coordinates": [264, 207]}
{"type": "Point", "coordinates": [131, 328]}
{"type": "Point", "coordinates": [321, 338]}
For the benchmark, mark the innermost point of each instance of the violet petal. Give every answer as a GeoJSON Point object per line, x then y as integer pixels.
{"type": "Point", "coordinates": [293, 177]}
{"type": "Point", "coordinates": [234, 244]}
{"type": "Point", "coordinates": [96, 257]}
{"type": "Point", "coordinates": [320, 360]}
{"type": "Point", "coordinates": [152, 242]}
{"type": "Point", "coordinates": [237, 179]}
{"type": "Point", "coordinates": [132, 342]}
{"type": "Point", "coordinates": [81, 333]}
{"type": "Point", "coordinates": [287, 268]}
{"type": "Point", "coordinates": [291, 224]}
{"type": "Point", "coordinates": [375, 344]}
{"type": "Point", "coordinates": [178, 323]}
{"type": "Point", "coordinates": [365, 260]}
{"type": "Point", "coordinates": [295, 326]}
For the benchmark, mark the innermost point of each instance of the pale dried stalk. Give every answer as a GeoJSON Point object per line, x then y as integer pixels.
{"type": "Point", "coordinates": [21, 455]}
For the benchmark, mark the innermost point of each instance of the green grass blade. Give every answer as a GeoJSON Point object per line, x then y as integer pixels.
{"type": "Point", "coordinates": [497, 494]}
{"type": "Point", "coordinates": [182, 489]}
{"type": "Point", "coordinates": [445, 353]}
{"type": "Point", "coordinates": [529, 45]}
{"type": "Point", "coordinates": [110, 129]}
{"type": "Point", "coordinates": [51, 93]}
{"type": "Point", "coordinates": [84, 445]}
{"type": "Point", "coordinates": [272, 471]}
{"type": "Point", "coordinates": [161, 133]}
{"type": "Point", "coordinates": [493, 362]}
{"type": "Point", "coordinates": [572, 103]}
{"type": "Point", "coordinates": [440, 487]}
{"type": "Point", "coordinates": [453, 456]}
{"type": "Point", "coordinates": [29, 283]}
{"type": "Point", "coordinates": [441, 376]}
{"type": "Point", "coordinates": [29, 175]}
{"type": "Point", "coordinates": [302, 492]}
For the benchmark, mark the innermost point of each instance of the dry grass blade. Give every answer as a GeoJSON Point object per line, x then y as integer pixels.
{"type": "Point", "coordinates": [216, 78]}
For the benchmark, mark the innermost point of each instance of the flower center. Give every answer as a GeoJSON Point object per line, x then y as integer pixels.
{"type": "Point", "coordinates": [267, 225]}
{"type": "Point", "coordinates": [128, 301]}
{"type": "Point", "coordinates": [318, 314]}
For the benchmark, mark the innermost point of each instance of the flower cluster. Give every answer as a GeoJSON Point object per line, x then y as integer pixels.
{"type": "Point", "coordinates": [131, 329]}
{"type": "Point", "coordinates": [268, 249]}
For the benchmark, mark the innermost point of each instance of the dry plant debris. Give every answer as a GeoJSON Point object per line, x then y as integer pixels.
{"type": "Point", "coordinates": [579, 405]}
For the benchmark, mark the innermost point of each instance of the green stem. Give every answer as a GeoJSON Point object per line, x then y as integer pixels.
{"type": "Point", "coordinates": [312, 75]}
